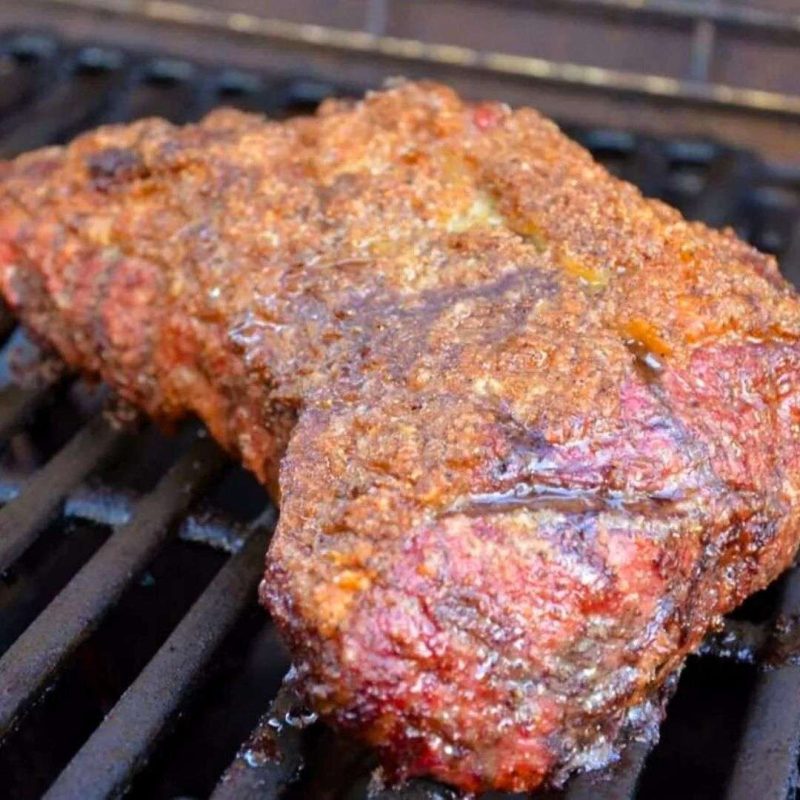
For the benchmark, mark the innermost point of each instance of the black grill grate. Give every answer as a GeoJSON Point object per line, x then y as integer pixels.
{"type": "Point", "coordinates": [118, 674]}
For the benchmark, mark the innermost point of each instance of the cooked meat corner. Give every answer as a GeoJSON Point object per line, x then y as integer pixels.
{"type": "Point", "coordinates": [535, 433]}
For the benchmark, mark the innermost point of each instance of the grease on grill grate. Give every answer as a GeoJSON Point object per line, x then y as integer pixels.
{"type": "Point", "coordinates": [132, 654]}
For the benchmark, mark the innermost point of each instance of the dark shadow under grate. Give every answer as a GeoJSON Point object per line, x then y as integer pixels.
{"type": "Point", "coordinates": [132, 655]}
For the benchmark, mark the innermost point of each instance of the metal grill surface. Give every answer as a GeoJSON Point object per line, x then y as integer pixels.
{"type": "Point", "coordinates": [133, 657]}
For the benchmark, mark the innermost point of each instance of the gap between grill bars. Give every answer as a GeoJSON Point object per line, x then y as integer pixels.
{"type": "Point", "coordinates": [55, 90]}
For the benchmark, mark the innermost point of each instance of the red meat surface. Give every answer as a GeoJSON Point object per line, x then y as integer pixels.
{"type": "Point", "coordinates": [531, 433]}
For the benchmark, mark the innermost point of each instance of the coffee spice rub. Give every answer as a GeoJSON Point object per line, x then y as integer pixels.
{"type": "Point", "coordinates": [532, 434]}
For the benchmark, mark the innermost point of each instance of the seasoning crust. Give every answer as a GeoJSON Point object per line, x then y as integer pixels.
{"type": "Point", "coordinates": [532, 433]}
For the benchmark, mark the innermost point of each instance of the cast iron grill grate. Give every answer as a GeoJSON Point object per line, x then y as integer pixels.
{"type": "Point", "coordinates": [132, 654]}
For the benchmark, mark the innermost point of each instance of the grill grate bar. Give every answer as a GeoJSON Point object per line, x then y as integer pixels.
{"type": "Point", "coordinates": [271, 759]}
{"type": "Point", "coordinates": [41, 497]}
{"type": "Point", "coordinates": [106, 763]}
{"type": "Point", "coordinates": [37, 654]}
{"type": "Point", "coordinates": [766, 763]}
{"type": "Point", "coordinates": [615, 783]}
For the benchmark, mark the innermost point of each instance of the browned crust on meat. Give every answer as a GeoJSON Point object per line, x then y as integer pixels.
{"type": "Point", "coordinates": [541, 431]}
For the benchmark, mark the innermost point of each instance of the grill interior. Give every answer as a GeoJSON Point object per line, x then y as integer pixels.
{"type": "Point", "coordinates": [133, 656]}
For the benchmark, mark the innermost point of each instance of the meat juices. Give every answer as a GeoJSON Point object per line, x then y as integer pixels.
{"type": "Point", "coordinates": [532, 433]}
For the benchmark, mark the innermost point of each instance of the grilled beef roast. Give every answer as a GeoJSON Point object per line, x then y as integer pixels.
{"type": "Point", "coordinates": [532, 433]}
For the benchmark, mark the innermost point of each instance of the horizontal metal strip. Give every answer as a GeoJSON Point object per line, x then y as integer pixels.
{"type": "Point", "coordinates": [361, 42]}
{"type": "Point", "coordinates": [748, 17]}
